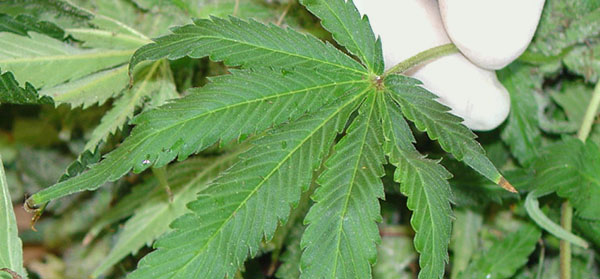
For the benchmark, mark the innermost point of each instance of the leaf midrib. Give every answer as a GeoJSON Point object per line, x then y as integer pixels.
{"type": "Point", "coordinates": [103, 33]}
{"type": "Point", "coordinates": [79, 56]}
{"type": "Point", "coordinates": [292, 151]}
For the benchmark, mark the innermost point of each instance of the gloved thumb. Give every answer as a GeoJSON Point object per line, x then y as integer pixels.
{"type": "Point", "coordinates": [491, 33]}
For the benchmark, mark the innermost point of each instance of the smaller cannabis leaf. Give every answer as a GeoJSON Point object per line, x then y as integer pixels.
{"type": "Point", "coordinates": [505, 256]}
{"type": "Point", "coordinates": [570, 168]}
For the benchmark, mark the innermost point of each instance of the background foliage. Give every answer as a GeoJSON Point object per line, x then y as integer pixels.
{"type": "Point", "coordinates": [66, 98]}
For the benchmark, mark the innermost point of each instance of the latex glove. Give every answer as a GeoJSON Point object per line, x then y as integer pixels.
{"type": "Point", "coordinates": [408, 27]}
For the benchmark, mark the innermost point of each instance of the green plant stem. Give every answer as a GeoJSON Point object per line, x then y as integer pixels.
{"type": "Point", "coordinates": [565, 247]}
{"type": "Point", "coordinates": [590, 115]}
{"type": "Point", "coordinates": [161, 175]}
{"type": "Point", "coordinates": [422, 57]}
{"type": "Point", "coordinates": [566, 219]}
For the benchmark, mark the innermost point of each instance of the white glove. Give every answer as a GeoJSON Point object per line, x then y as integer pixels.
{"type": "Point", "coordinates": [491, 33]}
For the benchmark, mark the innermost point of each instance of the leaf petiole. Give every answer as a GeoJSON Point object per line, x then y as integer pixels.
{"type": "Point", "coordinates": [422, 57]}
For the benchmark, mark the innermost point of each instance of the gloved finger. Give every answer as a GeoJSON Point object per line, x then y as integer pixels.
{"type": "Point", "coordinates": [491, 33]}
{"type": "Point", "coordinates": [407, 27]}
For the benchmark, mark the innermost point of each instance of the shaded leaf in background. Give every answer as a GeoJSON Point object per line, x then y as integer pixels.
{"type": "Point", "coordinates": [505, 256]}
{"type": "Point", "coordinates": [522, 133]}
{"type": "Point", "coordinates": [153, 82]}
{"type": "Point", "coordinates": [11, 247]}
{"type": "Point", "coordinates": [584, 60]}
{"type": "Point", "coordinates": [465, 237]}
{"type": "Point", "coordinates": [23, 24]}
{"type": "Point", "coordinates": [394, 255]}
{"type": "Point", "coordinates": [570, 168]}
{"type": "Point", "coordinates": [290, 259]}
{"type": "Point", "coordinates": [565, 23]}
{"type": "Point", "coordinates": [46, 62]}
{"type": "Point", "coordinates": [573, 98]}
{"type": "Point", "coordinates": [152, 219]}
{"type": "Point", "coordinates": [12, 93]}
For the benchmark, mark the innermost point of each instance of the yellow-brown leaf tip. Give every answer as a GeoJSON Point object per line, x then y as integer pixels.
{"type": "Point", "coordinates": [507, 186]}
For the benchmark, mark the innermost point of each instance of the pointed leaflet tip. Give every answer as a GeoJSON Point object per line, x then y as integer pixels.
{"type": "Point", "coordinates": [506, 185]}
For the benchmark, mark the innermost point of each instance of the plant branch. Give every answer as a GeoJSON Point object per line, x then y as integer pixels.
{"type": "Point", "coordinates": [422, 57]}
{"type": "Point", "coordinates": [566, 219]}
{"type": "Point", "coordinates": [590, 115]}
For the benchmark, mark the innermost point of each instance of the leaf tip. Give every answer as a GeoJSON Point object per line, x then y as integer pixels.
{"type": "Point", "coordinates": [31, 207]}
{"type": "Point", "coordinates": [506, 185]}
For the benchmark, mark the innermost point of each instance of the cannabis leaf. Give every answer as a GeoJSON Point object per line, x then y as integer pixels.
{"type": "Point", "coordinates": [343, 20]}
{"type": "Point", "coordinates": [419, 106]}
{"type": "Point", "coordinates": [570, 167]}
{"type": "Point", "coordinates": [505, 256]}
{"type": "Point", "coordinates": [564, 24]}
{"type": "Point", "coordinates": [297, 95]}
{"type": "Point", "coordinates": [281, 166]}
{"type": "Point", "coordinates": [153, 218]}
{"type": "Point", "coordinates": [258, 45]}
{"type": "Point", "coordinates": [11, 250]}
{"type": "Point", "coordinates": [522, 133]}
{"type": "Point", "coordinates": [12, 93]}
{"type": "Point", "coordinates": [425, 184]}
{"type": "Point", "coordinates": [23, 24]}
{"type": "Point", "coordinates": [340, 239]}
{"type": "Point", "coordinates": [32, 58]}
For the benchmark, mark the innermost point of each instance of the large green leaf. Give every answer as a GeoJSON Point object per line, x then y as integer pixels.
{"type": "Point", "coordinates": [248, 201]}
{"type": "Point", "coordinates": [349, 29]}
{"type": "Point", "coordinates": [340, 239]}
{"type": "Point", "coordinates": [505, 256]}
{"type": "Point", "coordinates": [420, 107]}
{"type": "Point", "coordinates": [11, 250]}
{"type": "Point", "coordinates": [152, 219]}
{"type": "Point", "coordinates": [522, 133]}
{"type": "Point", "coordinates": [425, 184]}
{"type": "Point", "coordinates": [47, 62]}
{"type": "Point", "coordinates": [232, 105]}
{"type": "Point", "coordinates": [258, 45]}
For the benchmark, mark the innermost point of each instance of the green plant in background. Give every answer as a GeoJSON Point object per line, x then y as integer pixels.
{"type": "Point", "coordinates": [289, 152]}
